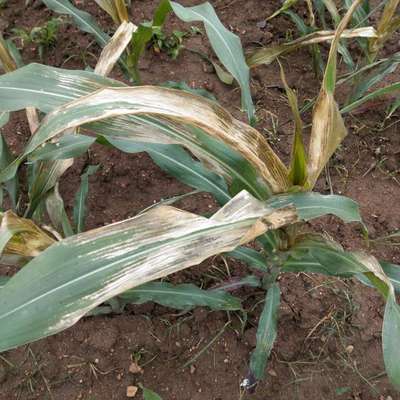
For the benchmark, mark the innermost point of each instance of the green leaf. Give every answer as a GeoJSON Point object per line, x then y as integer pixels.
{"type": "Point", "coordinates": [182, 297]}
{"type": "Point", "coordinates": [251, 257]}
{"type": "Point", "coordinates": [390, 338]}
{"type": "Point", "coordinates": [68, 146]}
{"type": "Point", "coordinates": [161, 13]}
{"type": "Point", "coordinates": [81, 18]}
{"type": "Point", "coordinates": [311, 205]}
{"type": "Point", "coordinates": [389, 89]}
{"type": "Point", "coordinates": [150, 395]}
{"type": "Point", "coordinates": [140, 38]}
{"type": "Point", "coordinates": [47, 88]}
{"type": "Point", "coordinates": [3, 280]}
{"type": "Point", "coordinates": [81, 197]}
{"type": "Point", "coordinates": [285, 6]}
{"type": "Point", "coordinates": [5, 159]}
{"type": "Point", "coordinates": [266, 332]}
{"type": "Point", "coordinates": [54, 290]}
{"type": "Point", "coordinates": [178, 163]}
{"type": "Point", "coordinates": [374, 76]}
{"type": "Point", "coordinates": [47, 174]}
{"type": "Point", "coordinates": [298, 162]}
{"type": "Point", "coordinates": [226, 45]}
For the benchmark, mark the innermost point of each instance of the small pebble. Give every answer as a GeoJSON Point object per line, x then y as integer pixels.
{"type": "Point", "coordinates": [131, 391]}
{"type": "Point", "coordinates": [134, 368]}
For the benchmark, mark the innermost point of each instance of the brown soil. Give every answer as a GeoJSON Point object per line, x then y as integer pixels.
{"type": "Point", "coordinates": [329, 344]}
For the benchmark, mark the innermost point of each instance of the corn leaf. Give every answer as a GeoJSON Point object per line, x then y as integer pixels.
{"type": "Point", "coordinates": [390, 338]}
{"type": "Point", "coordinates": [182, 297]}
{"type": "Point", "coordinates": [328, 129]}
{"type": "Point", "coordinates": [6, 158]}
{"type": "Point", "coordinates": [3, 280]}
{"type": "Point", "coordinates": [251, 257]}
{"type": "Point", "coordinates": [6, 60]}
{"type": "Point", "coordinates": [143, 34]}
{"type": "Point", "coordinates": [47, 174]}
{"type": "Point", "coordinates": [375, 76]}
{"type": "Point", "coordinates": [177, 162]}
{"type": "Point", "coordinates": [266, 332]}
{"type": "Point", "coordinates": [393, 88]}
{"type": "Point", "coordinates": [20, 236]}
{"type": "Point", "coordinates": [56, 212]}
{"type": "Point", "coordinates": [285, 6]}
{"type": "Point", "coordinates": [176, 106]}
{"type": "Point", "coordinates": [298, 162]}
{"type": "Point", "coordinates": [81, 18]}
{"type": "Point", "coordinates": [226, 45]}
{"type": "Point", "coordinates": [88, 269]}
{"type": "Point", "coordinates": [81, 198]}
{"type": "Point", "coordinates": [24, 87]}
{"type": "Point", "coordinates": [68, 146]}
{"type": "Point", "coordinates": [109, 7]}
{"type": "Point", "coordinates": [150, 395]}
{"type": "Point", "coordinates": [388, 24]}
{"type": "Point", "coordinates": [311, 205]}
{"type": "Point", "coordinates": [323, 257]}
{"type": "Point", "coordinates": [269, 54]}
{"type": "Point", "coordinates": [114, 49]}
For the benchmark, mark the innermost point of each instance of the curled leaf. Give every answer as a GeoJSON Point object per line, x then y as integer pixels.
{"type": "Point", "coordinates": [21, 237]}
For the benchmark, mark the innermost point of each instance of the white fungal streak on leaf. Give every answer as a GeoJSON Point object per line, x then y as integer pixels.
{"type": "Point", "coordinates": [82, 271]}
{"type": "Point", "coordinates": [114, 49]}
{"type": "Point", "coordinates": [175, 106]}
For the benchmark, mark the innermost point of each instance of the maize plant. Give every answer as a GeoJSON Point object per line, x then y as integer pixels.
{"type": "Point", "coordinates": [65, 275]}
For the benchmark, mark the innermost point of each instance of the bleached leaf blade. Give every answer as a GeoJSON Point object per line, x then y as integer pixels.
{"type": "Point", "coordinates": [328, 129]}
{"type": "Point", "coordinates": [21, 237]}
{"type": "Point", "coordinates": [269, 54]}
{"type": "Point", "coordinates": [167, 105]}
{"type": "Point", "coordinates": [114, 49]}
{"type": "Point", "coordinates": [85, 270]}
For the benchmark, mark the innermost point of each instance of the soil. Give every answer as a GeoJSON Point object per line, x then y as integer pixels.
{"type": "Point", "coordinates": [328, 345]}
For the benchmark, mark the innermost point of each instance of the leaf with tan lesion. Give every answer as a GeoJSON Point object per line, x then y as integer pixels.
{"type": "Point", "coordinates": [21, 237]}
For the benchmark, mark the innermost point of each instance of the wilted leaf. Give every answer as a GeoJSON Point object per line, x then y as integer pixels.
{"type": "Point", "coordinates": [388, 24]}
{"type": "Point", "coordinates": [85, 270]}
{"type": "Point", "coordinates": [21, 236]}
{"type": "Point", "coordinates": [269, 54]}
{"type": "Point", "coordinates": [166, 105]}
{"type": "Point", "coordinates": [328, 129]}
{"type": "Point", "coordinates": [114, 49]}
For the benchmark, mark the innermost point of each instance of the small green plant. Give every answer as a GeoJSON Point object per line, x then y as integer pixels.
{"type": "Point", "coordinates": [171, 44]}
{"type": "Point", "coordinates": [66, 275]}
{"type": "Point", "coordinates": [44, 36]}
